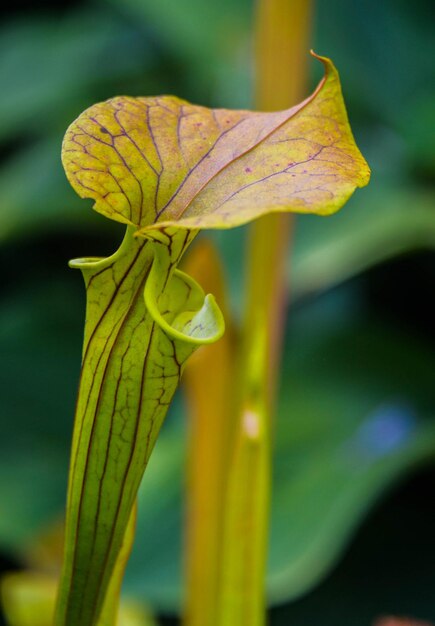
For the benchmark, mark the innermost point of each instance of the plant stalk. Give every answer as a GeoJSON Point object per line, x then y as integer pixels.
{"type": "Point", "coordinates": [282, 36]}
{"type": "Point", "coordinates": [208, 380]}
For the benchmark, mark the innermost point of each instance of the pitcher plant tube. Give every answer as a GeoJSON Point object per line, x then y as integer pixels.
{"type": "Point", "coordinates": [167, 169]}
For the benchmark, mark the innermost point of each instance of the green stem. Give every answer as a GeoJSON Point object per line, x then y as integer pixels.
{"type": "Point", "coordinates": [282, 38]}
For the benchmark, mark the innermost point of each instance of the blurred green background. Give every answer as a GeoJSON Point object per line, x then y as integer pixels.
{"type": "Point", "coordinates": [353, 515]}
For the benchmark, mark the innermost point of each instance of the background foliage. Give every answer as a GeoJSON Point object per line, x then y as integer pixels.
{"type": "Point", "coordinates": [356, 412]}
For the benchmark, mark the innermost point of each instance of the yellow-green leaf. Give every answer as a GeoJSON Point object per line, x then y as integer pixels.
{"type": "Point", "coordinates": [154, 162]}
{"type": "Point", "coordinates": [167, 168]}
{"type": "Point", "coordinates": [28, 599]}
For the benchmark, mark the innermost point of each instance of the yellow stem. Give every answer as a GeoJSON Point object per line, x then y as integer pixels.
{"type": "Point", "coordinates": [208, 379]}
{"type": "Point", "coordinates": [282, 45]}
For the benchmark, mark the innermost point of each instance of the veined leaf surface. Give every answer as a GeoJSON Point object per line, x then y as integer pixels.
{"type": "Point", "coordinates": [154, 162]}
{"type": "Point", "coordinates": [144, 319]}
